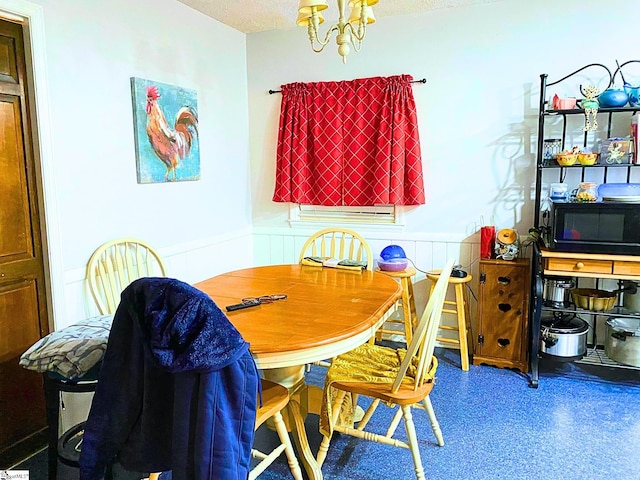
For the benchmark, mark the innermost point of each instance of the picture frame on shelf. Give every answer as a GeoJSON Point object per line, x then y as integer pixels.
{"type": "Point", "coordinates": [615, 151]}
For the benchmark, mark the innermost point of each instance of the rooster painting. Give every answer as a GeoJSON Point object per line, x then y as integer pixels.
{"type": "Point", "coordinates": [174, 144]}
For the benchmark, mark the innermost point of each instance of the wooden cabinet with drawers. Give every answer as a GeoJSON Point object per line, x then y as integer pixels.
{"type": "Point", "coordinates": [503, 312]}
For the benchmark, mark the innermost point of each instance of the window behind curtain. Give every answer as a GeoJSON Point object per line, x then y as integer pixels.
{"type": "Point", "coordinates": [350, 143]}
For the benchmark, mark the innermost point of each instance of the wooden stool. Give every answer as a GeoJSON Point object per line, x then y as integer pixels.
{"type": "Point", "coordinates": [461, 310]}
{"type": "Point", "coordinates": [409, 316]}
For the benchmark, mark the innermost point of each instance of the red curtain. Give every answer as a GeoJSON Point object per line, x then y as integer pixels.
{"type": "Point", "coordinates": [350, 143]}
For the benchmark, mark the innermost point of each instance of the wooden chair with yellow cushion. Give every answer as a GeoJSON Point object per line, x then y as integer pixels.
{"type": "Point", "coordinates": [274, 398]}
{"type": "Point", "coordinates": [117, 263]}
{"type": "Point", "coordinates": [338, 243]}
{"type": "Point", "coordinates": [396, 377]}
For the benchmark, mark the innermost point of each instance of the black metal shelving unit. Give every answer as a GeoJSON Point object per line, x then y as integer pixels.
{"type": "Point", "coordinates": [606, 115]}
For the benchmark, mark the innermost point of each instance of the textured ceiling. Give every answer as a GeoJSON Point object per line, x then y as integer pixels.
{"type": "Point", "coordinates": [250, 16]}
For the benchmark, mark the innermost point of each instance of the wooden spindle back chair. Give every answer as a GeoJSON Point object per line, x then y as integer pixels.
{"type": "Point", "coordinates": [339, 243]}
{"type": "Point", "coordinates": [115, 264]}
{"type": "Point", "coordinates": [402, 390]}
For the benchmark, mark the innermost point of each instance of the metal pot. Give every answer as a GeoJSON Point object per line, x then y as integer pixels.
{"type": "Point", "coordinates": [622, 343]}
{"type": "Point", "coordinates": [564, 337]}
{"type": "Point", "coordinates": [557, 291]}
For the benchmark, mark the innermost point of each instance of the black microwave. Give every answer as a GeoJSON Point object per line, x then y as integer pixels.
{"type": "Point", "coordinates": [594, 227]}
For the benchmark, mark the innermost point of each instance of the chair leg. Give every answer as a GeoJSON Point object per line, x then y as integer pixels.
{"type": "Point", "coordinates": [322, 450]}
{"type": "Point", "coordinates": [435, 426]}
{"type": "Point", "coordinates": [462, 327]}
{"type": "Point", "coordinates": [324, 445]}
{"type": "Point", "coordinates": [281, 428]}
{"type": "Point", "coordinates": [358, 411]}
{"type": "Point", "coordinates": [467, 316]}
{"type": "Point", "coordinates": [52, 403]}
{"type": "Point", "coordinates": [408, 308]}
{"type": "Point", "coordinates": [362, 424]}
{"type": "Point", "coordinates": [413, 441]}
{"type": "Point", "coordinates": [394, 423]}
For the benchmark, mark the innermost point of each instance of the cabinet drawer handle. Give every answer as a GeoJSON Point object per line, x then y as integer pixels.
{"type": "Point", "coordinates": [579, 266]}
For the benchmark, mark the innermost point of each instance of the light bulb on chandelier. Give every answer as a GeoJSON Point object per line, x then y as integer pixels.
{"type": "Point", "coordinates": [350, 32]}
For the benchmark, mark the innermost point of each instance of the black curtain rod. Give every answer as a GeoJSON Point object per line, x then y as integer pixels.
{"type": "Point", "coordinates": [423, 80]}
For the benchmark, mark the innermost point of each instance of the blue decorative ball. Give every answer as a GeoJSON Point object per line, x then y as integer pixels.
{"type": "Point", "coordinates": [392, 251]}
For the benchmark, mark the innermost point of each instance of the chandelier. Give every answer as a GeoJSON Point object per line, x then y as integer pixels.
{"type": "Point", "coordinates": [350, 32]}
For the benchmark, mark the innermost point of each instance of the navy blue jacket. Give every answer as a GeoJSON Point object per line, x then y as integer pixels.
{"type": "Point", "coordinates": [177, 388]}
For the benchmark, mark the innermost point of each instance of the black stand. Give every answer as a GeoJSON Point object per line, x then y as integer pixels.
{"type": "Point", "coordinates": [53, 385]}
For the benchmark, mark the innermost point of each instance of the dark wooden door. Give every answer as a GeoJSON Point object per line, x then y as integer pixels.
{"type": "Point", "coordinates": [23, 309]}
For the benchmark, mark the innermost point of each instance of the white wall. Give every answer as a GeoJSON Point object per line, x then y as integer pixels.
{"type": "Point", "coordinates": [91, 50]}
{"type": "Point", "coordinates": [478, 111]}
{"type": "Point", "coordinates": [94, 48]}
{"type": "Point", "coordinates": [477, 116]}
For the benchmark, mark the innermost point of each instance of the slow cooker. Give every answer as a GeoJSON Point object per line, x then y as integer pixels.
{"type": "Point", "coordinates": [563, 336]}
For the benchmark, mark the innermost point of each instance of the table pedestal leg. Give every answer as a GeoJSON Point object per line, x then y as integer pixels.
{"type": "Point", "coordinates": [303, 399]}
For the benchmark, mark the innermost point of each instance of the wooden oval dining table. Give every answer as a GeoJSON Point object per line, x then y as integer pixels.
{"type": "Point", "coordinates": [327, 311]}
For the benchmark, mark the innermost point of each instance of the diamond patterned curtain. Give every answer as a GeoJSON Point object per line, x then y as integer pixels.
{"type": "Point", "coordinates": [350, 143]}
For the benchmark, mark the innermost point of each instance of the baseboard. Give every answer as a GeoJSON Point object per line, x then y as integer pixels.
{"type": "Point", "coordinates": [25, 448]}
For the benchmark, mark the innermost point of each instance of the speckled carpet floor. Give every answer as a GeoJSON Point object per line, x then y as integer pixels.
{"type": "Point", "coordinates": [582, 423]}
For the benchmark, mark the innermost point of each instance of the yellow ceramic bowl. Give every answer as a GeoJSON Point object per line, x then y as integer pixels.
{"type": "Point", "coordinates": [567, 159]}
{"type": "Point", "coordinates": [587, 158]}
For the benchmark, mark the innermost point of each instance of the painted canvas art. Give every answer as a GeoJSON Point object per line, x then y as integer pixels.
{"type": "Point", "coordinates": [166, 132]}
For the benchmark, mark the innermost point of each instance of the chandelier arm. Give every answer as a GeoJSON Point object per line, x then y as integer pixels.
{"type": "Point", "coordinates": [356, 40]}
{"type": "Point", "coordinates": [327, 37]}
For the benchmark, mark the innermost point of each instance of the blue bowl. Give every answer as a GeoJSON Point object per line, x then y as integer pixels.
{"type": "Point", "coordinates": [393, 264]}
